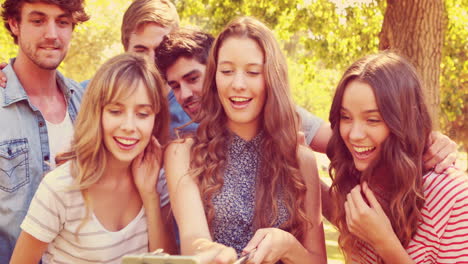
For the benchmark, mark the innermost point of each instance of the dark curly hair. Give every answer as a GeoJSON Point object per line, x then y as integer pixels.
{"type": "Point", "coordinates": [186, 43]}
{"type": "Point", "coordinates": [12, 9]}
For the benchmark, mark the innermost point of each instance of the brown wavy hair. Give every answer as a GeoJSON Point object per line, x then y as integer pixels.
{"type": "Point", "coordinates": [279, 172]}
{"type": "Point", "coordinates": [398, 93]}
{"type": "Point", "coordinates": [12, 9]}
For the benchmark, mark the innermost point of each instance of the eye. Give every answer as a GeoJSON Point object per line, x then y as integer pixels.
{"type": "Point", "coordinates": [36, 21]}
{"type": "Point", "coordinates": [254, 73]}
{"type": "Point", "coordinates": [142, 114]}
{"type": "Point", "coordinates": [193, 79]}
{"type": "Point", "coordinates": [64, 22]}
{"type": "Point", "coordinates": [373, 120]}
{"type": "Point", "coordinates": [226, 72]}
{"type": "Point", "coordinates": [344, 117]}
{"type": "Point", "coordinates": [114, 111]}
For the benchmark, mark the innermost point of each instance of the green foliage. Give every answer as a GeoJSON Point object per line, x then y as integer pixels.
{"type": "Point", "coordinates": [454, 73]}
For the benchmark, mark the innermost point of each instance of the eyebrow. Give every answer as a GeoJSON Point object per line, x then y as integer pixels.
{"type": "Point", "coordinates": [190, 73]}
{"type": "Point", "coordinates": [139, 105]}
{"type": "Point", "coordinates": [367, 111]}
{"type": "Point", "coordinates": [39, 13]}
{"type": "Point", "coordinates": [248, 64]}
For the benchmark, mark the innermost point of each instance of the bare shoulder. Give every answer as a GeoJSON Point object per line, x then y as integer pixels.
{"type": "Point", "coordinates": [307, 164]}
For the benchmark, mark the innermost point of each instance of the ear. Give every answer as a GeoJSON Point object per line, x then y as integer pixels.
{"type": "Point", "coordinates": [14, 26]}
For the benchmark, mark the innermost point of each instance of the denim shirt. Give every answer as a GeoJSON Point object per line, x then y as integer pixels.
{"type": "Point", "coordinates": [24, 152]}
{"type": "Point", "coordinates": [179, 117]}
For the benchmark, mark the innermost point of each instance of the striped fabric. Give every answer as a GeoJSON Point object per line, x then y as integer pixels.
{"type": "Point", "coordinates": [55, 214]}
{"type": "Point", "coordinates": [442, 236]}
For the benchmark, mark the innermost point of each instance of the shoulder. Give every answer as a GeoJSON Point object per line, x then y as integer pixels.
{"type": "Point", "coordinates": [59, 179]}
{"type": "Point", "coordinates": [451, 182]}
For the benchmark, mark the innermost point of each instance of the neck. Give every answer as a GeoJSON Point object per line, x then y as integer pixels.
{"type": "Point", "coordinates": [116, 172]}
{"type": "Point", "coordinates": [35, 80]}
{"type": "Point", "coordinates": [246, 131]}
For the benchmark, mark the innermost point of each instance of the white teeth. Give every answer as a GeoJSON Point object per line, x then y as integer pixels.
{"type": "Point", "coordinates": [239, 99]}
{"type": "Point", "coordinates": [362, 149]}
{"type": "Point", "coordinates": [126, 141]}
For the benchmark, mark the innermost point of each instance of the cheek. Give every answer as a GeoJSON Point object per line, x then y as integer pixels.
{"type": "Point", "coordinates": [344, 130]}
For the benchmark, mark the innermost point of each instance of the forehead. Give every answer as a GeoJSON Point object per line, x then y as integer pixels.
{"type": "Point", "coordinates": [42, 8]}
{"type": "Point", "coordinates": [183, 66]}
{"type": "Point", "coordinates": [149, 35]}
{"type": "Point", "coordinates": [240, 49]}
{"type": "Point", "coordinates": [359, 95]}
{"type": "Point", "coordinates": [129, 91]}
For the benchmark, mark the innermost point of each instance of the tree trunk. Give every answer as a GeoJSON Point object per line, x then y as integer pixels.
{"type": "Point", "coordinates": [415, 29]}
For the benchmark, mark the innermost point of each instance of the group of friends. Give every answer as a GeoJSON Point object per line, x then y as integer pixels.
{"type": "Point", "coordinates": [204, 130]}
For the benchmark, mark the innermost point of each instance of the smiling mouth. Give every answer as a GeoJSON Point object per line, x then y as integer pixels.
{"type": "Point", "coordinates": [363, 152]}
{"type": "Point", "coordinates": [240, 102]}
{"type": "Point", "coordinates": [126, 143]}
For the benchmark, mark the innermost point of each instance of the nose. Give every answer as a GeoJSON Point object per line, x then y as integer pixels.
{"type": "Point", "coordinates": [185, 92]}
{"type": "Point", "coordinates": [239, 81]}
{"type": "Point", "coordinates": [357, 131]}
{"type": "Point", "coordinates": [51, 30]}
{"type": "Point", "coordinates": [128, 123]}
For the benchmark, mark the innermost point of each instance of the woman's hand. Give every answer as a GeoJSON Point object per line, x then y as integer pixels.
{"type": "Point", "coordinates": [271, 245]}
{"type": "Point", "coordinates": [441, 152]}
{"type": "Point", "coordinates": [367, 221]}
{"type": "Point", "coordinates": [145, 169]}
{"type": "Point", "coordinates": [210, 252]}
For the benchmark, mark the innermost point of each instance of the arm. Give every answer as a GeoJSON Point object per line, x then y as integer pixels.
{"type": "Point", "coordinates": [28, 249]}
{"type": "Point", "coordinates": [145, 170]}
{"type": "Point", "coordinates": [327, 204]}
{"type": "Point", "coordinates": [273, 244]}
{"type": "Point", "coordinates": [320, 141]}
{"type": "Point", "coordinates": [185, 197]}
{"type": "Point", "coordinates": [371, 224]}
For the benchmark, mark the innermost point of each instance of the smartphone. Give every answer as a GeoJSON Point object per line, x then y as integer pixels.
{"type": "Point", "coordinates": [158, 259]}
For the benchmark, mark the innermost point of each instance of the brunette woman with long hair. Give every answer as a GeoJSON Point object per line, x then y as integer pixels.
{"type": "Point", "coordinates": [102, 202]}
{"type": "Point", "coordinates": [243, 181]}
{"type": "Point", "coordinates": [387, 207]}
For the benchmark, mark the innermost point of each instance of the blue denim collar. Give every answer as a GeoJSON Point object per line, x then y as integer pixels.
{"type": "Point", "coordinates": [14, 91]}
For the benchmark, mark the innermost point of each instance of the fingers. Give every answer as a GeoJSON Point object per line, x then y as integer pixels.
{"type": "Point", "coordinates": [255, 241]}
{"type": "Point", "coordinates": [226, 255]}
{"type": "Point", "coordinates": [3, 82]}
{"type": "Point", "coordinates": [262, 250]}
{"type": "Point", "coordinates": [374, 203]}
{"type": "Point", "coordinates": [441, 152]}
{"type": "Point", "coordinates": [137, 161]}
{"type": "Point", "coordinates": [212, 252]}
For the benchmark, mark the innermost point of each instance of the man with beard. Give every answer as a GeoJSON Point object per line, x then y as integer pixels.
{"type": "Point", "coordinates": [37, 107]}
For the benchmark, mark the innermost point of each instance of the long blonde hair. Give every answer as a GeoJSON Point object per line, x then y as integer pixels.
{"type": "Point", "coordinates": [279, 172]}
{"type": "Point", "coordinates": [115, 79]}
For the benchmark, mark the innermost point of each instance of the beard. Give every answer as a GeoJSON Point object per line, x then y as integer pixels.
{"type": "Point", "coordinates": [42, 58]}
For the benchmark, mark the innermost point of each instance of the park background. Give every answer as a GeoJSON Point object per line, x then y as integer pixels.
{"type": "Point", "coordinates": [320, 39]}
